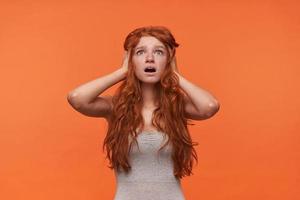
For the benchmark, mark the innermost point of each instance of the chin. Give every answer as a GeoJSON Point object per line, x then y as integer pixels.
{"type": "Point", "coordinates": [153, 81]}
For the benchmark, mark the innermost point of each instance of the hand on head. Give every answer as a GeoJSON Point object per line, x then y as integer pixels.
{"type": "Point", "coordinates": [173, 61]}
{"type": "Point", "coordinates": [126, 60]}
{"type": "Point", "coordinates": [174, 64]}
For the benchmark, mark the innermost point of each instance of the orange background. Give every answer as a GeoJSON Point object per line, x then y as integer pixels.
{"type": "Point", "coordinates": [246, 53]}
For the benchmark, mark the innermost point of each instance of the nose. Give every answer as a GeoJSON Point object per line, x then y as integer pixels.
{"type": "Point", "coordinates": [149, 57]}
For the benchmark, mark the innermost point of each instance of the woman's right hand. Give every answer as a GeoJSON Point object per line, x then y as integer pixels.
{"type": "Point", "coordinates": [125, 60]}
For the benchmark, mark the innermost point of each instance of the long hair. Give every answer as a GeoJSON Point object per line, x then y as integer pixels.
{"type": "Point", "coordinates": [168, 117]}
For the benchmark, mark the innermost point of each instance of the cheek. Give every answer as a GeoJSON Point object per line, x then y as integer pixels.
{"type": "Point", "coordinates": [163, 62]}
{"type": "Point", "coordinates": [136, 61]}
{"type": "Point", "coordinates": [138, 70]}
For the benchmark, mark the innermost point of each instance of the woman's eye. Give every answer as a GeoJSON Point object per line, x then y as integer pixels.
{"type": "Point", "coordinates": [139, 51]}
{"type": "Point", "coordinates": [161, 52]}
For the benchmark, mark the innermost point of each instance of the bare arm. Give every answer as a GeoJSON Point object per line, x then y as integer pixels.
{"type": "Point", "coordinates": [85, 98]}
{"type": "Point", "coordinates": [199, 103]}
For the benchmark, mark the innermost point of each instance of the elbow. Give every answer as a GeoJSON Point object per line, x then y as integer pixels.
{"type": "Point", "coordinates": [210, 111]}
{"type": "Point", "coordinates": [213, 109]}
{"type": "Point", "coordinates": [72, 99]}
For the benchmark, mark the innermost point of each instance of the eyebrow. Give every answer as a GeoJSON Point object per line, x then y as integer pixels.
{"type": "Point", "coordinates": [154, 46]}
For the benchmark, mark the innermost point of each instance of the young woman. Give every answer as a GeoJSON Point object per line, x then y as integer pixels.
{"type": "Point", "coordinates": [148, 143]}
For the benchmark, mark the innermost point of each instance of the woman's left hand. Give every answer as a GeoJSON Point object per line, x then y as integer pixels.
{"type": "Point", "coordinates": [174, 64]}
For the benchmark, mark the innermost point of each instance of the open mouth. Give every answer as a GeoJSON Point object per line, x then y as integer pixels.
{"type": "Point", "coordinates": [150, 69]}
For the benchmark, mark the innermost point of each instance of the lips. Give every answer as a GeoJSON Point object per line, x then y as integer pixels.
{"type": "Point", "coordinates": [150, 69]}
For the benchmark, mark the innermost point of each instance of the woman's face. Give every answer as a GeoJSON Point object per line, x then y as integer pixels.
{"type": "Point", "coordinates": [150, 59]}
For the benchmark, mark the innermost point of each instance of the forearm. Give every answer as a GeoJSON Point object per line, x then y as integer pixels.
{"type": "Point", "coordinates": [202, 99]}
{"type": "Point", "coordinates": [87, 92]}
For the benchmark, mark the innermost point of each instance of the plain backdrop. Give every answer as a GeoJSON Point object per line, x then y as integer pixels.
{"type": "Point", "coordinates": [246, 53]}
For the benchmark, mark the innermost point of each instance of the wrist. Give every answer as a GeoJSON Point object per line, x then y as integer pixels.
{"type": "Point", "coordinates": [121, 72]}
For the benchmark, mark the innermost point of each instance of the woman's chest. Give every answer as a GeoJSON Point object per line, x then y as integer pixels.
{"type": "Point", "coordinates": [147, 115]}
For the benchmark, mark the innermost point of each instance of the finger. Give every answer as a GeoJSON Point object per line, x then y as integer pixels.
{"type": "Point", "coordinates": [129, 51]}
{"type": "Point", "coordinates": [174, 60]}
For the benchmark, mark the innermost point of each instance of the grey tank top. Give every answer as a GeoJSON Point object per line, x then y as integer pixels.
{"type": "Point", "coordinates": [151, 176]}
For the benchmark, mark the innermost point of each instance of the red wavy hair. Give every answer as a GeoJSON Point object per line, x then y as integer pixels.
{"type": "Point", "coordinates": [168, 117]}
